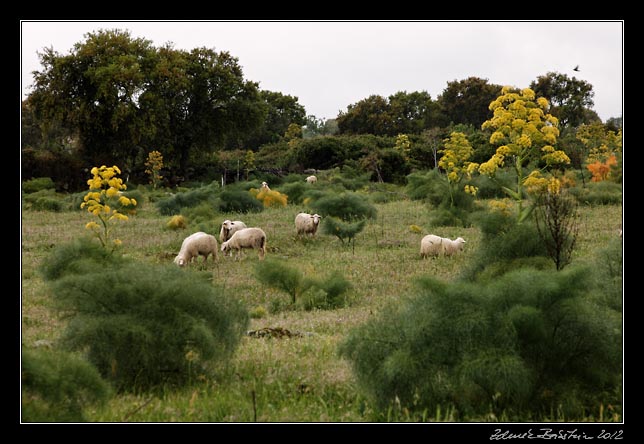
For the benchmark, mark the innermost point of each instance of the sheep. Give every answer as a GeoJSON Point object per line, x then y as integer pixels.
{"type": "Point", "coordinates": [228, 228]}
{"type": "Point", "coordinates": [246, 238]}
{"type": "Point", "coordinates": [311, 179]}
{"type": "Point", "coordinates": [432, 245]}
{"type": "Point", "coordinates": [196, 244]}
{"type": "Point", "coordinates": [306, 223]}
{"type": "Point", "coordinates": [265, 186]}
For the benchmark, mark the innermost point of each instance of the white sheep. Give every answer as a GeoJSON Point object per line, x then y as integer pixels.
{"type": "Point", "coordinates": [432, 245]}
{"type": "Point", "coordinates": [265, 186]}
{"type": "Point", "coordinates": [311, 179]}
{"type": "Point", "coordinates": [194, 245]}
{"type": "Point", "coordinates": [246, 238]}
{"type": "Point", "coordinates": [228, 228]}
{"type": "Point", "coordinates": [306, 223]}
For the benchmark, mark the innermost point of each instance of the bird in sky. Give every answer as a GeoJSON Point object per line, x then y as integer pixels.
{"type": "Point", "coordinates": [576, 68]}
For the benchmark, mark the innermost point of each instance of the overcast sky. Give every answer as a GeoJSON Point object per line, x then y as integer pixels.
{"type": "Point", "coordinates": [330, 65]}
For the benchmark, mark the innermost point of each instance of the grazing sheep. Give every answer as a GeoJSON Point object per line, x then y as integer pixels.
{"type": "Point", "coordinates": [432, 245]}
{"type": "Point", "coordinates": [306, 223]}
{"type": "Point", "coordinates": [311, 179]}
{"type": "Point", "coordinates": [265, 186]}
{"type": "Point", "coordinates": [194, 245]}
{"type": "Point", "coordinates": [246, 238]}
{"type": "Point", "coordinates": [228, 228]}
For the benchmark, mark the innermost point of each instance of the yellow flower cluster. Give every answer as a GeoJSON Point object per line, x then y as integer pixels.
{"type": "Point", "coordinates": [503, 206]}
{"type": "Point", "coordinates": [455, 157]}
{"type": "Point", "coordinates": [270, 198]}
{"type": "Point", "coordinates": [489, 168]}
{"type": "Point", "coordinates": [535, 184]}
{"type": "Point", "coordinates": [105, 187]}
{"type": "Point", "coordinates": [471, 189]}
{"type": "Point", "coordinates": [154, 164]}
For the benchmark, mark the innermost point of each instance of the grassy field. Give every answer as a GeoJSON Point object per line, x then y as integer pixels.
{"type": "Point", "coordinates": [301, 379]}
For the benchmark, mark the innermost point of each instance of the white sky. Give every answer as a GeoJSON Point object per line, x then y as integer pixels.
{"type": "Point", "coordinates": [330, 65]}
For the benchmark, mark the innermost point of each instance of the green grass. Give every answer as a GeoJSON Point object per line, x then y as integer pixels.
{"type": "Point", "coordinates": [291, 380]}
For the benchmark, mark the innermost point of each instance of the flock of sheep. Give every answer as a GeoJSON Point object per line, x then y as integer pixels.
{"type": "Point", "coordinates": [235, 235]}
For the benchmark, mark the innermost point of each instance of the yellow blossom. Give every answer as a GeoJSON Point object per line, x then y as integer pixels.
{"type": "Point", "coordinates": [470, 189]}
{"type": "Point", "coordinates": [91, 225]}
{"type": "Point", "coordinates": [496, 137]}
{"type": "Point", "coordinates": [543, 103]}
{"type": "Point", "coordinates": [117, 242]}
{"type": "Point", "coordinates": [554, 186]}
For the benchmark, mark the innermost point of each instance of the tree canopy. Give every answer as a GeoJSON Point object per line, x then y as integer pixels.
{"type": "Point", "coordinates": [120, 94]}
{"type": "Point", "coordinates": [570, 98]}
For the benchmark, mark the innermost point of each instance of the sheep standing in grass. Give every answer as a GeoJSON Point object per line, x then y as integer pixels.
{"type": "Point", "coordinates": [194, 245]}
{"type": "Point", "coordinates": [228, 228]}
{"type": "Point", "coordinates": [306, 223]}
{"type": "Point", "coordinates": [311, 179]}
{"type": "Point", "coordinates": [246, 238]}
{"type": "Point", "coordinates": [432, 245]}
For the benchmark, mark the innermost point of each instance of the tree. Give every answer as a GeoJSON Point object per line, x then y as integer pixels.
{"type": "Point", "coordinates": [121, 94]}
{"type": "Point", "coordinates": [368, 116]}
{"type": "Point", "coordinates": [318, 127]}
{"type": "Point", "coordinates": [281, 111]}
{"type": "Point", "coordinates": [569, 98]}
{"type": "Point", "coordinates": [95, 90]}
{"type": "Point", "coordinates": [523, 131]}
{"type": "Point", "coordinates": [466, 101]}
{"type": "Point", "coordinates": [412, 112]}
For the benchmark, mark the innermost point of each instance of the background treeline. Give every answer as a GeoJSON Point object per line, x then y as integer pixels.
{"type": "Point", "coordinates": [114, 98]}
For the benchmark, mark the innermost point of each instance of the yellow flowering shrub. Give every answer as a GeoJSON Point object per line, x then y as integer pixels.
{"type": "Point", "coordinates": [153, 167]}
{"type": "Point", "coordinates": [269, 198]}
{"type": "Point", "coordinates": [177, 222]}
{"type": "Point", "coordinates": [105, 189]}
{"type": "Point", "coordinates": [524, 131]}
{"type": "Point", "coordinates": [503, 206]}
{"type": "Point", "coordinates": [455, 161]}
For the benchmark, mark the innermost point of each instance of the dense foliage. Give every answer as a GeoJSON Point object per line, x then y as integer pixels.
{"type": "Point", "coordinates": [142, 326]}
{"type": "Point", "coordinates": [57, 386]}
{"type": "Point", "coordinates": [530, 340]}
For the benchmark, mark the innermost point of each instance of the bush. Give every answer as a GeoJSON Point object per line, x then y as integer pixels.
{"type": "Point", "coordinates": [492, 188]}
{"type": "Point", "coordinates": [306, 292]}
{"type": "Point", "coordinates": [58, 386]}
{"type": "Point", "coordinates": [327, 294]}
{"type": "Point", "coordinates": [295, 191]}
{"type": "Point", "coordinates": [177, 222]}
{"type": "Point", "coordinates": [341, 229]}
{"type": "Point", "coordinates": [82, 255]}
{"type": "Point", "coordinates": [38, 184]}
{"type": "Point", "coordinates": [176, 203]}
{"type": "Point", "coordinates": [280, 276]}
{"type": "Point", "coordinates": [145, 326]}
{"type": "Point", "coordinates": [239, 201]}
{"type": "Point", "coordinates": [505, 245]}
{"type": "Point", "coordinates": [598, 193]}
{"type": "Point", "coordinates": [422, 186]}
{"type": "Point", "coordinates": [347, 206]}
{"type": "Point", "coordinates": [269, 198]}
{"type": "Point", "coordinates": [529, 341]}
{"type": "Point", "coordinates": [203, 212]}
{"type": "Point", "coordinates": [608, 266]}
